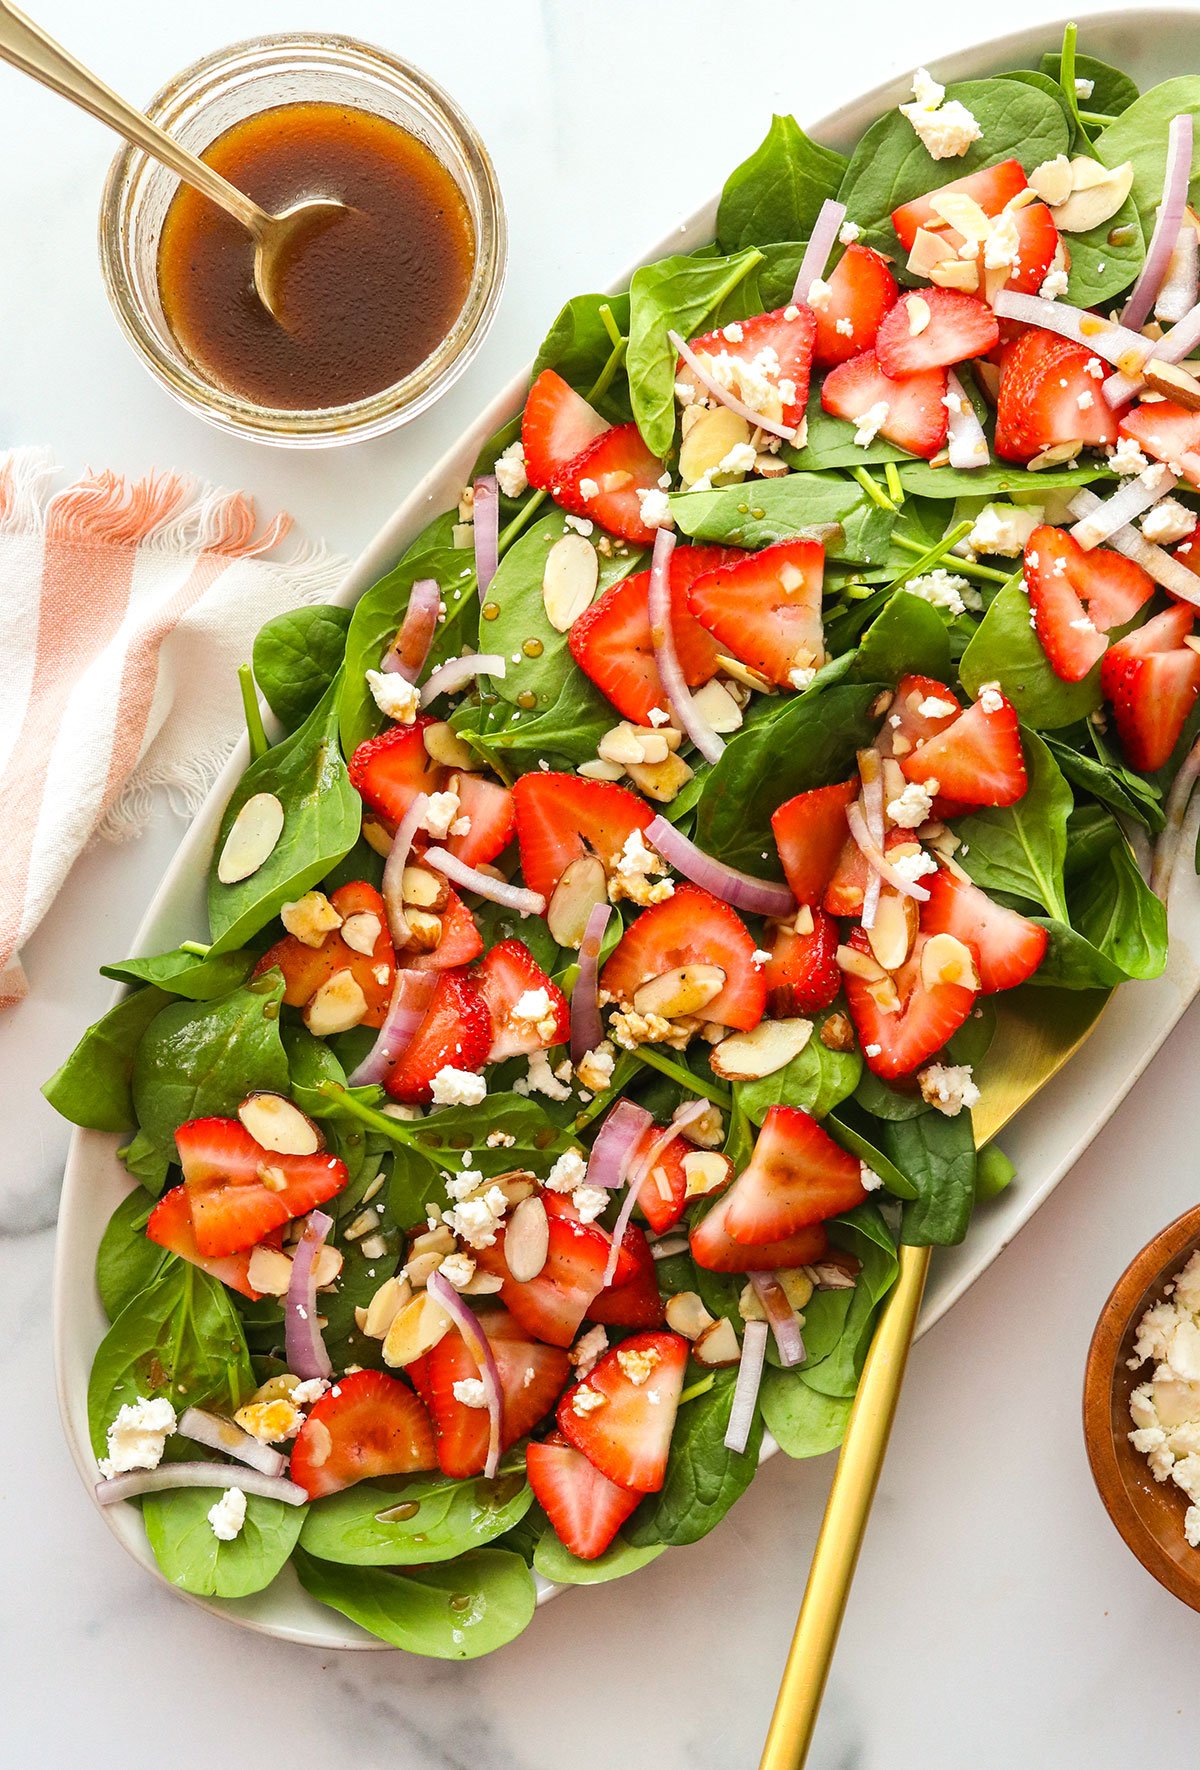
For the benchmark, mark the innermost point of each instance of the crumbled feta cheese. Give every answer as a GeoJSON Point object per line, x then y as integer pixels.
{"type": "Point", "coordinates": [441, 809]}
{"type": "Point", "coordinates": [943, 589]}
{"type": "Point", "coordinates": [590, 1201]}
{"type": "Point", "coordinates": [510, 470]}
{"type": "Point", "coordinates": [868, 424]}
{"type": "Point", "coordinates": [458, 1270]}
{"type": "Point", "coordinates": [588, 1350]}
{"type": "Point", "coordinates": [137, 1436]}
{"type": "Point", "coordinates": [581, 524]}
{"type": "Point", "coordinates": [477, 1219]}
{"type": "Point", "coordinates": [1003, 244]}
{"type": "Point", "coordinates": [760, 956]}
{"type": "Point", "coordinates": [1004, 529]}
{"type": "Point", "coordinates": [741, 457]}
{"type": "Point", "coordinates": [312, 1389]}
{"type": "Point", "coordinates": [567, 1173]}
{"type": "Point", "coordinates": [733, 332]}
{"type": "Point", "coordinates": [914, 805]}
{"type": "Point", "coordinates": [1127, 457]}
{"type": "Point", "coordinates": [819, 294]}
{"type": "Point", "coordinates": [542, 1080]}
{"type": "Point", "coordinates": [844, 327]}
{"type": "Point", "coordinates": [394, 695]}
{"type": "Point", "coordinates": [655, 508]}
{"type": "Point", "coordinates": [990, 698]}
{"type": "Point", "coordinates": [1053, 284]}
{"type": "Point", "coordinates": [500, 1140]}
{"type": "Point", "coordinates": [1084, 88]}
{"type": "Point", "coordinates": [1083, 625]}
{"type": "Point", "coordinates": [936, 707]}
{"type": "Point", "coordinates": [1168, 521]}
{"type": "Point", "coordinates": [531, 1006]}
{"type": "Point", "coordinates": [595, 1068]}
{"type": "Point", "coordinates": [586, 1401]}
{"type": "Point", "coordinates": [228, 1515]}
{"type": "Point", "coordinates": [1166, 1410]}
{"type": "Point", "coordinates": [471, 1391]}
{"type": "Point", "coordinates": [457, 1087]}
{"type": "Point", "coordinates": [638, 872]}
{"type": "Point", "coordinates": [914, 866]}
{"type": "Point", "coordinates": [588, 489]}
{"type": "Point", "coordinates": [1085, 400]}
{"type": "Point", "coordinates": [638, 1363]}
{"type": "Point", "coordinates": [870, 1179]}
{"type": "Point", "coordinates": [948, 1087]}
{"type": "Point", "coordinates": [873, 1050]}
{"type": "Point", "coordinates": [849, 232]}
{"type": "Point", "coordinates": [462, 1185]}
{"type": "Point", "coordinates": [801, 677]}
{"type": "Point", "coordinates": [945, 130]}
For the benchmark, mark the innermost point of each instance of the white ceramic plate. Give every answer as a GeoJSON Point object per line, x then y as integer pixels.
{"type": "Point", "coordinates": [1050, 1133]}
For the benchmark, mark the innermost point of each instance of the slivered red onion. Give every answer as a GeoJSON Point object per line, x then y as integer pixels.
{"type": "Point", "coordinates": [406, 655]}
{"type": "Point", "coordinates": [486, 511]}
{"type": "Point", "coordinates": [870, 771]}
{"type": "Point", "coordinates": [392, 887]}
{"type": "Point", "coordinates": [1172, 347]}
{"type": "Point", "coordinates": [1171, 573]}
{"type": "Point", "coordinates": [227, 1436]}
{"type": "Point", "coordinates": [172, 1475]}
{"type": "Point", "coordinates": [1129, 500]}
{"type": "Point", "coordinates": [303, 1346]}
{"type": "Point", "coordinates": [745, 1390]}
{"type": "Point", "coordinates": [645, 1165]}
{"type": "Point", "coordinates": [820, 245]}
{"type": "Point", "coordinates": [449, 678]}
{"type": "Point", "coordinates": [479, 1346]}
{"type": "Point", "coordinates": [760, 897]}
{"type": "Point", "coordinates": [587, 1028]}
{"type": "Point", "coordinates": [1176, 174]}
{"type": "Point", "coordinates": [713, 386]}
{"type": "Point", "coordinates": [406, 1010]}
{"type": "Point", "coordinates": [662, 635]}
{"type": "Point", "coordinates": [1181, 285]}
{"type": "Point", "coordinates": [967, 443]}
{"type": "Point", "coordinates": [1166, 849]}
{"type": "Point", "coordinates": [1103, 336]}
{"type": "Point", "coordinates": [876, 858]}
{"type": "Point", "coordinates": [616, 1141]}
{"type": "Point", "coordinates": [781, 1317]}
{"type": "Point", "coordinates": [513, 897]}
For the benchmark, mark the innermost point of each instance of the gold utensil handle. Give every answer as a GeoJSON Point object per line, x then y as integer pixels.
{"type": "Point", "coordinates": [845, 1521]}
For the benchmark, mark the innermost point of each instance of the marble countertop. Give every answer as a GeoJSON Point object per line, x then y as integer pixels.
{"type": "Point", "coordinates": [997, 1618]}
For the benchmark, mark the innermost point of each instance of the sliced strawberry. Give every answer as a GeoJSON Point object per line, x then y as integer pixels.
{"type": "Point", "coordinates": [933, 329]}
{"type": "Point", "coordinates": [391, 769]}
{"type": "Point", "coordinates": [532, 1377]}
{"type": "Point", "coordinates": [455, 1033]}
{"type": "Point", "coordinates": [1008, 948]}
{"type": "Point", "coordinates": [460, 943]}
{"type": "Point", "coordinates": [619, 466]}
{"type": "Point", "coordinates": [611, 641]}
{"type": "Point", "coordinates": [633, 1301]}
{"type": "Point", "coordinates": [507, 975]}
{"type": "Point", "coordinates": [367, 1425]}
{"type": "Point", "coordinates": [862, 288]}
{"type": "Point", "coordinates": [557, 424]}
{"type": "Point", "coordinates": [784, 337]}
{"type": "Point", "coordinates": [305, 968]}
{"type": "Point", "coordinates": [628, 1434]}
{"type": "Point", "coordinates": [715, 1250]}
{"type": "Point", "coordinates": [561, 1204]}
{"type": "Point", "coordinates": [552, 1305]}
{"type": "Point", "coordinates": [1050, 394]}
{"type": "Point", "coordinates": [663, 1193]}
{"type": "Point", "coordinates": [1038, 242]}
{"type": "Point", "coordinates": [691, 928]}
{"type": "Point", "coordinates": [1077, 596]}
{"type": "Point", "coordinates": [845, 891]}
{"type": "Point", "coordinates": [977, 759]}
{"type": "Point", "coordinates": [896, 1041]}
{"type": "Point", "coordinates": [170, 1225]}
{"type": "Point", "coordinates": [1168, 432]}
{"type": "Point", "coordinates": [993, 189]}
{"type": "Point", "coordinates": [810, 832]}
{"type": "Point", "coordinates": [562, 817]}
{"type": "Point", "coordinates": [488, 807]}
{"type": "Point", "coordinates": [916, 417]}
{"type": "Point", "coordinates": [920, 708]}
{"type": "Point", "coordinates": [585, 1508]}
{"type": "Point", "coordinates": [802, 973]}
{"type": "Point", "coordinates": [797, 1176]}
{"type": "Point", "coordinates": [1152, 679]}
{"type": "Point", "coordinates": [238, 1191]}
{"type": "Point", "coordinates": [765, 608]}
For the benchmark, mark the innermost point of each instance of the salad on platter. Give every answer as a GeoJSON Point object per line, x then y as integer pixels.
{"type": "Point", "coordinates": [600, 961]}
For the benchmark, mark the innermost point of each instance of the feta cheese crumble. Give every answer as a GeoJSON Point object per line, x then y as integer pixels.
{"type": "Point", "coordinates": [945, 130]}
{"type": "Point", "coordinates": [137, 1436]}
{"type": "Point", "coordinates": [914, 804]}
{"type": "Point", "coordinates": [914, 866]}
{"type": "Point", "coordinates": [228, 1515]}
{"type": "Point", "coordinates": [470, 1391]}
{"type": "Point", "coordinates": [477, 1219]}
{"type": "Point", "coordinates": [990, 698]}
{"type": "Point", "coordinates": [868, 424]}
{"type": "Point", "coordinates": [943, 589]}
{"type": "Point", "coordinates": [949, 1087]}
{"type": "Point", "coordinates": [870, 1179]}
{"type": "Point", "coordinates": [441, 809]}
{"type": "Point", "coordinates": [510, 470]}
{"type": "Point", "coordinates": [588, 1350]}
{"type": "Point", "coordinates": [567, 1172]}
{"type": "Point", "coordinates": [1166, 1410]}
{"type": "Point", "coordinates": [655, 508]}
{"type": "Point", "coordinates": [1168, 521]}
{"type": "Point", "coordinates": [1127, 457]}
{"type": "Point", "coordinates": [819, 294]}
{"type": "Point", "coordinates": [395, 697]}
{"type": "Point", "coordinates": [1003, 529]}
{"type": "Point", "coordinates": [457, 1087]}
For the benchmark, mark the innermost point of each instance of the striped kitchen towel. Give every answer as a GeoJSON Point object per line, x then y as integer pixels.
{"type": "Point", "coordinates": [125, 610]}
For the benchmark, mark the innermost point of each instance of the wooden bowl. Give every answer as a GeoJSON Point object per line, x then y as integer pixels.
{"type": "Point", "coordinates": [1149, 1514]}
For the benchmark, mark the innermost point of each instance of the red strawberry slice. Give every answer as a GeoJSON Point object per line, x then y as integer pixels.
{"type": "Point", "coordinates": [488, 807]}
{"type": "Point", "coordinates": [845, 891]}
{"type": "Point", "coordinates": [557, 424]}
{"type": "Point", "coordinates": [305, 968]}
{"type": "Point", "coordinates": [810, 833]}
{"type": "Point", "coordinates": [634, 1301]}
{"type": "Point", "coordinates": [663, 1192]}
{"type": "Point", "coordinates": [797, 1176]}
{"type": "Point", "coordinates": [916, 418]}
{"type": "Point", "coordinates": [507, 975]}
{"type": "Point", "coordinates": [1078, 596]}
{"type": "Point", "coordinates": [532, 1377]}
{"type": "Point", "coordinates": [1038, 242]}
{"type": "Point", "coordinates": [915, 715]}
{"type": "Point", "coordinates": [993, 189]}
{"type": "Point", "coordinates": [611, 641]}
{"type": "Point", "coordinates": [1050, 394]}
{"type": "Point", "coordinates": [976, 760]}
{"type": "Point", "coordinates": [862, 288]}
{"type": "Point", "coordinates": [584, 1507]}
{"type": "Point", "coordinates": [604, 482]}
{"type": "Point", "coordinates": [896, 1043]}
{"type": "Point", "coordinates": [784, 336]}
{"type": "Point", "coordinates": [1168, 432]}
{"type": "Point", "coordinates": [1152, 679]}
{"type": "Point", "coordinates": [561, 1204]}
{"type": "Point", "coordinates": [691, 928]}
{"type": "Point", "coordinates": [238, 1191]}
{"type": "Point", "coordinates": [562, 817]}
{"type": "Point", "coordinates": [367, 1425]}
{"type": "Point", "coordinates": [391, 769]}
{"type": "Point", "coordinates": [627, 1433]}
{"type": "Point", "coordinates": [455, 1033]}
{"type": "Point", "coordinates": [715, 1250]}
{"type": "Point", "coordinates": [552, 1305]}
{"type": "Point", "coordinates": [933, 329]}
{"type": "Point", "coordinates": [802, 973]}
{"type": "Point", "coordinates": [1008, 947]}
{"type": "Point", "coordinates": [765, 608]}
{"type": "Point", "coordinates": [460, 943]}
{"type": "Point", "coordinates": [170, 1225]}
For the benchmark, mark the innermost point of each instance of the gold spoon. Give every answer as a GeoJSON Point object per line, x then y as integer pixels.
{"type": "Point", "coordinates": [276, 237]}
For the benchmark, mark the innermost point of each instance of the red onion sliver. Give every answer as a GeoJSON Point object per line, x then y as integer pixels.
{"type": "Point", "coordinates": [1171, 573]}
{"type": "Point", "coordinates": [1172, 347]}
{"type": "Point", "coordinates": [782, 1318]}
{"type": "Point", "coordinates": [745, 1392]}
{"type": "Point", "coordinates": [1166, 849]}
{"type": "Point", "coordinates": [587, 1028]}
{"type": "Point", "coordinates": [1176, 174]}
{"type": "Point", "coordinates": [760, 897]}
{"type": "Point", "coordinates": [1181, 285]}
{"type": "Point", "coordinates": [392, 887]}
{"type": "Point", "coordinates": [876, 858]}
{"type": "Point", "coordinates": [1129, 500]}
{"type": "Point", "coordinates": [513, 897]}
{"type": "Point", "coordinates": [449, 678]}
{"type": "Point", "coordinates": [406, 1010]}
{"type": "Point", "coordinates": [172, 1475]}
{"type": "Point", "coordinates": [479, 1346]}
{"type": "Point", "coordinates": [486, 510]}
{"type": "Point", "coordinates": [662, 635]}
{"type": "Point", "coordinates": [1105, 337]}
{"type": "Point", "coordinates": [755, 419]}
{"type": "Point", "coordinates": [645, 1165]}
{"type": "Point", "coordinates": [968, 445]}
{"type": "Point", "coordinates": [227, 1436]}
{"type": "Point", "coordinates": [406, 655]}
{"type": "Point", "coordinates": [303, 1346]}
{"type": "Point", "coordinates": [615, 1143]}
{"type": "Point", "coordinates": [820, 245]}
{"type": "Point", "coordinates": [872, 806]}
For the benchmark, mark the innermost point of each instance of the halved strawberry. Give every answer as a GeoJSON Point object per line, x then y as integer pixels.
{"type": "Point", "coordinates": [627, 1433]}
{"type": "Point", "coordinates": [920, 708]}
{"type": "Point", "coordinates": [862, 288]}
{"type": "Point", "coordinates": [933, 329]}
{"type": "Point", "coordinates": [612, 644]}
{"type": "Point", "coordinates": [977, 759]}
{"type": "Point", "coordinates": [914, 415]}
{"type": "Point", "coordinates": [1152, 679]}
{"type": "Point", "coordinates": [846, 889]}
{"type": "Point", "coordinates": [715, 1250]}
{"type": "Point", "coordinates": [993, 189]}
{"type": "Point", "coordinates": [765, 608]}
{"type": "Point", "coordinates": [391, 769]}
{"type": "Point", "coordinates": [797, 1175]}
{"type": "Point", "coordinates": [455, 1033]}
{"type": "Point", "coordinates": [532, 1377]}
{"type": "Point", "coordinates": [585, 1508]}
{"type": "Point", "coordinates": [170, 1225]}
{"type": "Point", "coordinates": [784, 336]}
{"type": "Point", "coordinates": [1077, 596]}
{"type": "Point", "coordinates": [1008, 948]}
{"type": "Point", "coordinates": [632, 1301]}
{"type": "Point", "coordinates": [896, 1041]}
{"type": "Point", "coordinates": [663, 1193]}
{"type": "Point", "coordinates": [810, 832]}
{"type": "Point", "coordinates": [1168, 432]}
{"type": "Point", "coordinates": [488, 807]}
{"type": "Point", "coordinates": [691, 928]}
{"type": "Point", "coordinates": [556, 425]}
{"type": "Point", "coordinates": [604, 482]}
{"type": "Point", "coordinates": [802, 973]}
{"type": "Point", "coordinates": [562, 817]}
{"type": "Point", "coordinates": [552, 1305]}
{"type": "Point", "coordinates": [305, 968]}
{"type": "Point", "coordinates": [508, 974]}
{"type": "Point", "coordinates": [367, 1425]}
{"type": "Point", "coordinates": [1050, 394]}
{"type": "Point", "coordinates": [460, 943]}
{"type": "Point", "coordinates": [238, 1191]}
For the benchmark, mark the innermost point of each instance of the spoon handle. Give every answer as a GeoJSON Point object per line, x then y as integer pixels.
{"type": "Point", "coordinates": [27, 47]}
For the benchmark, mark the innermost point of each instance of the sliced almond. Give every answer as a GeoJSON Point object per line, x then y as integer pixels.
{"type": "Point", "coordinates": [361, 931]}
{"type": "Point", "coordinates": [717, 1345]}
{"type": "Point", "coordinates": [745, 674]}
{"type": "Point", "coordinates": [443, 744]}
{"type": "Point", "coordinates": [1097, 192]}
{"type": "Point", "coordinates": [599, 770]}
{"type": "Point", "coordinates": [424, 889]}
{"type": "Point", "coordinates": [883, 993]}
{"type": "Point", "coordinates": [717, 706]}
{"type": "Point", "coordinates": [519, 1183]}
{"type": "Point", "coordinates": [743, 1057]}
{"type": "Point", "coordinates": [944, 959]}
{"type": "Point", "coordinates": [569, 580]}
{"type": "Point", "coordinates": [424, 930]}
{"type": "Point", "coordinates": [956, 273]}
{"type": "Point", "coordinates": [836, 1272]}
{"type": "Point", "coordinates": [928, 250]}
{"type": "Point", "coordinates": [661, 781]}
{"type": "Point", "coordinates": [385, 1306]}
{"type": "Point", "coordinates": [705, 1170]}
{"type": "Point", "coordinates": [251, 839]}
{"type": "Point", "coordinates": [327, 1265]}
{"type": "Point", "coordinates": [527, 1240]}
{"type": "Point", "coordinates": [709, 439]}
{"type": "Point", "coordinates": [277, 1124]}
{"type": "Point", "coordinates": [1175, 382]}
{"type": "Point", "coordinates": [1053, 180]}
{"type": "Point", "coordinates": [837, 1033]}
{"type": "Point", "coordinates": [414, 1330]}
{"type": "Point", "coordinates": [859, 964]}
{"type": "Point", "coordinates": [439, 1240]}
{"type": "Point", "coordinates": [804, 923]}
{"type": "Point", "coordinates": [918, 315]}
{"type": "Point", "coordinates": [482, 1284]}
{"type": "Point", "coordinates": [310, 918]}
{"type": "Point", "coordinates": [895, 928]}
{"type": "Point", "coordinates": [338, 1005]}
{"type": "Point", "coordinates": [583, 885]}
{"type": "Point", "coordinates": [686, 1314]}
{"type": "Point", "coordinates": [269, 1271]}
{"type": "Point", "coordinates": [622, 744]}
{"type": "Point", "coordinates": [683, 990]}
{"type": "Point", "coordinates": [376, 837]}
{"type": "Point", "coordinates": [961, 212]}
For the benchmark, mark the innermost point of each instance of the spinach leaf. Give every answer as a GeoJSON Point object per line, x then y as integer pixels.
{"type": "Point", "coordinates": [1112, 89]}
{"type": "Point", "coordinates": [93, 1087]}
{"type": "Point", "coordinates": [1140, 135]}
{"type": "Point", "coordinates": [296, 657]}
{"type": "Point", "coordinates": [1005, 649]}
{"type": "Point", "coordinates": [938, 1153]}
{"type": "Point", "coordinates": [193, 1558]}
{"type": "Point", "coordinates": [197, 976]}
{"type": "Point", "coordinates": [817, 1079]}
{"type": "Point", "coordinates": [775, 509]}
{"type": "Point", "coordinates": [1100, 269]}
{"type": "Point", "coordinates": [126, 1260]}
{"type": "Point", "coordinates": [829, 442]}
{"type": "Point", "coordinates": [1000, 480]}
{"type": "Point", "coordinates": [564, 734]}
{"type": "Point", "coordinates": [682, 294]}
{"type": "Point", "coordinates": [834, 1371]}
{"type": "Point", "coordinates": [145, 1162]}
{"type": "Point", "coordinates": [1119, 788]}
{"type": "Point", "coordinates": [803, 1422]}
{"type": "Point", "coordinates": [536, 1140]}
{"type": "Point", "coordinates": [703, 1478]}
{"type": "Point", "coordinates": [557, 1563]}
{"type": "Point", "coordinates": [1020, 849]}
{"type": "Point", "coordinates": [907, 637]}
{"type": "Point", "coordinates": [845, 1127]}
{"type": "Point", "coordinates": [459, 1610]}
{"type": "Point", "coordinates": [439, 1519]}
{"type": "Point", "coordinates": [881, 1102]}
{"type": "Point", "coordinates": [1118, 927]}
{"type": "Point", "coordinates": [777, 193]}
{"type": "Point", "coordinates": [578, 346]}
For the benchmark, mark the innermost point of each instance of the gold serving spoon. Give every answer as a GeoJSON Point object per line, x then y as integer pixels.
{"type": "Point", "coordinates": [1033, 1040]}
{"type": "Point", "coordinates": [276, 237]}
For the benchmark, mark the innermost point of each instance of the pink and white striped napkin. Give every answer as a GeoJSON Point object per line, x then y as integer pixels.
{"type": "Point", "coordinates": [125, 610]}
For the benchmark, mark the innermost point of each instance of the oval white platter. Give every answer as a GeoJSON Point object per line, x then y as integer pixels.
{"type": "Point", "coordinates": [1046, 1138]}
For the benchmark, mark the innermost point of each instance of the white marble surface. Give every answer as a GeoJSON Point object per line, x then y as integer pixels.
{"type": "Point", "coordinates": [997, 1619]}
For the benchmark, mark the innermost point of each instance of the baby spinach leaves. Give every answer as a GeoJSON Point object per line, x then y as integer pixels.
{"type": "Point", "coordinates": [1140, 135]}
{"type": "Point", "coordinates": [777, 193]}
{"type": "Point", "coordinates": [197, 976]}
{"type": "Point", "coordinates": [1106, 779]}
{"type": "Point", "coordinates": [1005, 649]}
{"type": "Point", "coordinates": [1020, 849]}
{"type": "Point", "coordinates": [127, 1260]}
{"type": "Point", "coordinates": [554, 1562]}
{"type": "Point", "coordinates": [459, 1610]}
{"type": "Point", "coordinates": [93, 1087]}
{"type": "Point", "coordinates": [423, 1519]}
{"type": "Point", "coordinates": [1112, 90]}
{"type": "Point", "coordinates": [296, 657]}
{"type": "Point", "coordinates": [907, 637]}
{"type": "Point", "coordinates": [684, 294]}
{"type": "Point", "coordinates": [578, 346]}
{"type": "Point", "coordinates": [802, 1421]}
{"type": "Point", "coordinates": [938, 1154]}
{"type": "Point", "coordinates": [775, 509]}
{"type": "Point", "coordinates": [1118, 927]}
{"type": "Point", "coordinates": [997, 481]}
{"type": "Point", "coordinates": [703, 1477]}
{"type": "Point", "coordinates": [838, 1324]}
{"type": "Point", "coordinates": [818, 1079]}
{"type": "Point", "coordinates": [193, 1557]}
